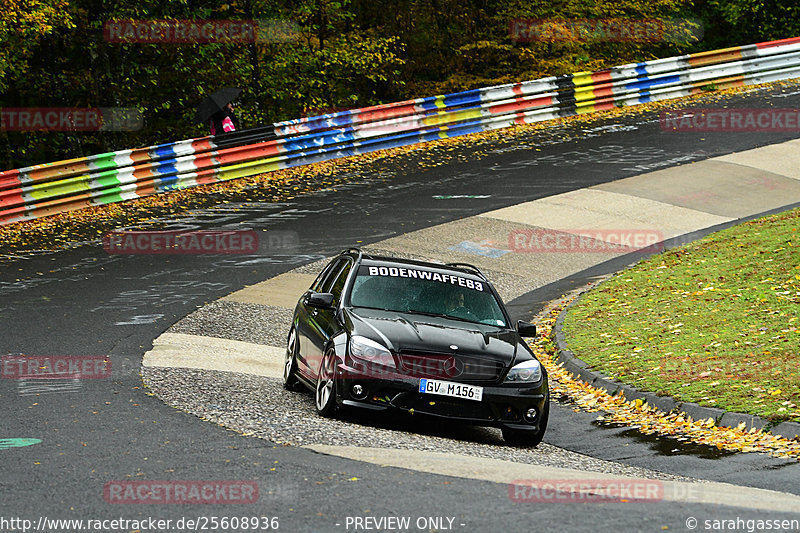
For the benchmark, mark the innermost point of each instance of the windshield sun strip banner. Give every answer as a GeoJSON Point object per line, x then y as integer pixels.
{"type": "Point", "coordinates": [417, 273]}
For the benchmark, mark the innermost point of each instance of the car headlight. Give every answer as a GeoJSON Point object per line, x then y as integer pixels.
{"type": "Point", "coordinates": [527, 372]}
{"type": "Point", "coordinates": [370, 351]}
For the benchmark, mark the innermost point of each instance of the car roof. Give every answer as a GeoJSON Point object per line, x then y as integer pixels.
{"type": "Point", "coordinates": [382, 260]}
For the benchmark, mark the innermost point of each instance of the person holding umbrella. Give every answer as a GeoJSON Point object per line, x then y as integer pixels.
{"type": "Point", "coordinates": [217, 111]}
{"type": "Point", "coordinates": [223, 121]}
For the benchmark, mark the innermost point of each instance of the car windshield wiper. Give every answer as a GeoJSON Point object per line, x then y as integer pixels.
{"type": "Point", "coordinates": [377, 308]}
{"type": "Point", "coordinates": [442, 315]}
{"type": "Point", "coordinates": [426, 313]}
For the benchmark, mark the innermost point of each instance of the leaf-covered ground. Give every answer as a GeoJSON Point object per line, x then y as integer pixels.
{"type": "Point", "coordinates": [617, 410]}
{"type": "Point", "coordinates": [715, 322]}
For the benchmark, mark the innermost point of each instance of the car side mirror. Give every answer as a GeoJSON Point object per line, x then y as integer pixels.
{"type": "Point", "coordinates": [526, 329]}
{"type": "Point", "coordinates": [322, 300]}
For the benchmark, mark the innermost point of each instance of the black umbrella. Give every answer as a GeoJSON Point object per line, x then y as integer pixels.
{"type": "Point", "coordinates": [215, 102]}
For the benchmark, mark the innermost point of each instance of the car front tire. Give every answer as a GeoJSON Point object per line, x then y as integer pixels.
{"type": "Point", "coordinates": [325, 394]}
{"type": "Point", "coordinates": [290, 380]}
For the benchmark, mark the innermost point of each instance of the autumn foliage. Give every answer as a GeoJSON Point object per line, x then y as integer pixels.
{"type": "Point", "coordinates": [330, 54]}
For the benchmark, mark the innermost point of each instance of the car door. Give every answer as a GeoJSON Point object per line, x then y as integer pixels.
{"type": "Point", "coordinates": [323, 321]}
{"type": "Point", "coordinates": [306, 316]}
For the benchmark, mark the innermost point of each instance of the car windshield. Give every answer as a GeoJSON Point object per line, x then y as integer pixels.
{"type": "Point", "coordinates": [416, 290]}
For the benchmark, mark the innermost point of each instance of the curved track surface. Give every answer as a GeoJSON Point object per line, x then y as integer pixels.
{"type": "Point", "coordinates": [84, 302]}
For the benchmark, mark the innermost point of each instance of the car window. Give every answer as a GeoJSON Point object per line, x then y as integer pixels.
{"type": "Point", "coordinates": [418, 290]}
{"type": "Point", "coordinates": [339, 281]}
{"type": "Point", "coordinates": [325, 279]}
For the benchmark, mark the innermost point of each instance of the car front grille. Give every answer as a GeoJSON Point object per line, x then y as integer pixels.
{"type": "Point", "coordinates": [457, 367]}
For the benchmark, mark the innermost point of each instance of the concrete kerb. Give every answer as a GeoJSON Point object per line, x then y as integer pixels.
{"type": "Point", "coordinates": [583, 370]}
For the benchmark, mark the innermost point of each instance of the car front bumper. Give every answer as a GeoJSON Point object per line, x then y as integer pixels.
{"type": "Point", "coordinates": [501, 405]}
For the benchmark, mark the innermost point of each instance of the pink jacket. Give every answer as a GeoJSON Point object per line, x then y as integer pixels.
{"type": "Point", "coordinates": [227, 125]}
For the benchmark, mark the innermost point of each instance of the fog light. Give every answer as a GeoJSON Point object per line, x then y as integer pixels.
{"type": "Point", "coordinates": [531, 414]}
{"type": "Point", "coordinates": [358, 392]}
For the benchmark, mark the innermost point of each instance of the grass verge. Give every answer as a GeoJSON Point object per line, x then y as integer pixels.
{"type": "Point", "coordinates": [715, 322]}
{"type": "Point", "coordinates": [618, 411]}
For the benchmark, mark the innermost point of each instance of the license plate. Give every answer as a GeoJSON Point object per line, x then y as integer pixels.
{"type": "Point", "coordinates": [448, 388]}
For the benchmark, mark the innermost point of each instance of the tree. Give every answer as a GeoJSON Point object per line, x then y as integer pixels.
{"type": "Point", "coordinates": [21, 29]}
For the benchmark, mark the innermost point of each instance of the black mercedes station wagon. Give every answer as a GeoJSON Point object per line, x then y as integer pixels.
{"type": "Point", "coordinates": [431, 339]}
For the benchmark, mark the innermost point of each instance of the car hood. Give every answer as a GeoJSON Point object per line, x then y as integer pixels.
{"type": "Point", "coordinates": [414, 333]}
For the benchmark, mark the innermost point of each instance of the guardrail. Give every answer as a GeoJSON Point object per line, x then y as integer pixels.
{"type": "Point", "coordinates": [42, 190]}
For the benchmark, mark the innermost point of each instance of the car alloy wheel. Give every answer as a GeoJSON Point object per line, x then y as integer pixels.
{"type": "Point", "coordinates": [326, 385]}
{"type": "Point", "coordinates": [290, 364]}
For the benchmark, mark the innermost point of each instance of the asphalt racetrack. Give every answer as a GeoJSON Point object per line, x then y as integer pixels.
{"type": "Point", "coordinates": [86, 302]}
